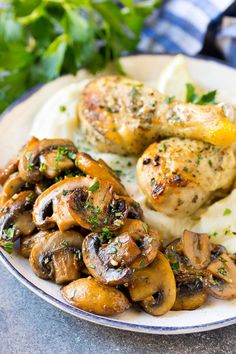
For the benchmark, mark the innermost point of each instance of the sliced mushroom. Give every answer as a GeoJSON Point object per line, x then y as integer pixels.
{"type": "Point", "coordinates": [197, 248]}
{"type": "Point", "coordinates": [154, 286]}
{"type": "Point", "coordinates": [221, 282]}
{"type": "Point", "coordinates": [16, 216]}
{"type": "Point", "coordinates": [99, 169]}
{"type": "Point", "coordinates": [28, 242]}
{"type": "Point", "coordinates": [88, 295]}
{"type": "Point", "coordinates": [10, 168]}
{"type": "Point", "coordinates": [51, 208]}
{"type": "Point", "coordinates": [90, 203]}
{"type": "Point", "coordinates": [190, 295]}
{"type": "Point", "coordinates": [57, 256]}
{"type": "Point", "coordinates": [13, 185]}
{"type": "Point", "coordinates": [100, 260]}
{"type": "Point", "coordinates": [147, 239]}
{"type": "Point", "coordinates": [46, 157]}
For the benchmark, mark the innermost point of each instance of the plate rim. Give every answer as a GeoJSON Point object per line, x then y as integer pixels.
{"type": "Point", "coordinates": [108, 321]}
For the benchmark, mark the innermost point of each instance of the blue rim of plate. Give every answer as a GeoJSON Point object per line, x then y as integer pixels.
{"type": "Point", "coordinates": [107, 321]}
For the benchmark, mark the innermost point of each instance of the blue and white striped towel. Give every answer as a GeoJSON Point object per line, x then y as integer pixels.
{"type": "Point", "coordinates": [181, 26]}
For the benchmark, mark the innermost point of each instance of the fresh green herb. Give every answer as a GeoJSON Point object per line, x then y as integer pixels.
{"type": "Point", "coordinates": [64, 192]}
{"type": "Point", "coordinates": [129, 163]}
{"type": "Point", "coordinates": [30, 166]}
{"type": "Point", "coordinates": [30, 196]}
{"type": "Point", "coordinates": [227, 211]}
{"type": "Point", "coordinates": [42, 39]}
{"type": "Point", "coordinates": [94, 187]}
{"type": "Point", "coordinates": [175, 267]}
{"type": "Point", "coordinates": [62, 108]}
{"type": "Point", "coordinates": [142, 263]}
{"type": "Point", "coordinates": [9, 233]}
{"type": "Point", "coordinates": [212, 234]}
{"type": "Point", "coordinates": [42, 167]}
{"type": "Point", "coordinates": [162, 147]}
{"type": "Point", "coordinates": [207, 98]}
{"type": "Point", "coordinates": [169, 99]}
{"type": "Point", "coordinates": [112, 250]}
{"type": "Point", "coordinates": [105, 234]}
{"type": "Point", "coordinates": [118, 173]}
{"type": "Point", "coordinates": [223, 260]}
{"type": "Point", "coordinates": [65, 243]}
{"type": "Point", "coordinates": [8, 246]}
{"type": "Point", "coordinates": [222, 271]}
{"type": "Point", "coordinates": [62, 152]}
{"type": "Point", "coordinates": [198, 160]}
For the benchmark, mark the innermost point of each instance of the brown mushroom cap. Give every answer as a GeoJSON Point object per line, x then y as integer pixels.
{"type": "Point", "coordinates": [190, 295]}
{"type": "Point", "coordinates": [145, 237]}
{"type": "Point", "coordinates": [88, 295]}
{"type": "Point", "coordinates": [99, 259]}
{"type": "Point", "coordinates": [154, 286]}
{"type": "Point", "coordinates": [16, 215]}
{"type": "Point", "coordinates": [99, 169]}
{"type": "Point", "coordinates": [221, 282]}
{"type": "Point", "coordinates": [13, 185]}
{"type": "Point", "coordinates": [57, 256]}
{"type": "Point", "coordinates": [28, 242]}
{"type": "Point", "coordinates": [47, 157]}
{"type": "Point", "coordinates": [197, 248]}
{"type": "Point", "coordinates": [10, 168]}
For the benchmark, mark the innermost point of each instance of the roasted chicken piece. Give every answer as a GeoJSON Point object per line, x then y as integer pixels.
{"type": "Point", "coordinates": [124, 116]}
{"type": "Point", "coordinates": [179, 175]}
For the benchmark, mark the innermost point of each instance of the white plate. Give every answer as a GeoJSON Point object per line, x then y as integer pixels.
{"type": "Point", "coordinates": [14, 129]}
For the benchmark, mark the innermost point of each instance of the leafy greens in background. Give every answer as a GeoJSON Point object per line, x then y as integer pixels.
{"type": "Point", "coordinates": [41, 39]}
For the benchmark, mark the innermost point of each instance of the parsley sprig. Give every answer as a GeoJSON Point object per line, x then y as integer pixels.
{"type": "Point", "coordinates": [42, 39]}
{"type": "Point", "coordinates": [192, 97]}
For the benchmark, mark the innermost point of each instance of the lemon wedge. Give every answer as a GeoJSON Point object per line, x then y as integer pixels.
{"type": "Point", "coordinates": [174, 77]}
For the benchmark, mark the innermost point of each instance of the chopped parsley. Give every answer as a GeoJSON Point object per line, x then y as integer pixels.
{"type": "Point", "coordinates": [62, 108]}
{"type": "Point", "coordinates": [162, 147]}
{"type": "Point", "coordinates": [42, 167]}
{"type": "Point", "coordinates": [192, 97]}
{"type": "Point", "coordinates": [227, 211]}
{"type": "Point", "coordinates": [169, 99]}
{"type": "Point", "coordinates": [142, 263]}
{"type": "Point", "coordinates": [175, 267]}
{"type": "Point", "coordinates": [65, 243]}
{"type": "Point", "coordinates": [64, 151]}
{"type": "Point", "coordinates": [9, 233]}
{"type": "Point", "coordinates": [94, 187]}
{"type": "Point", "coordinates": [64, 192]}
{"type": "Point", "coordinates": [105, 234]}
{"type": "Point", "coordinates": [222, 271]}
{"type": "Point", "coordinates": [223, 260]}
{"type": "Point", "coordinates": [8, 246]}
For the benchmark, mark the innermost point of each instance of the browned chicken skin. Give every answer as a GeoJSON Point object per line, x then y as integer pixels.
{"type": "Point", "coordinates": [124, 116]}
{"type": "Point", "coordinates": [179, 175]}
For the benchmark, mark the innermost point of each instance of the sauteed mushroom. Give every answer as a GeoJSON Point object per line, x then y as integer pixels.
{"type": "Point", "coordinates": [90, 203]}
{"type": "Point", "coordinates": [57, 256]}
{"type": "Point", "coordinates": [154, 286]}
{"type": "Point", "coordinates": [13, 185]}
{"type": "Point", "coordinates": [146, 238]}
{"type": "Point", "coordinates": [189, 280]}
{"type": "Point", "coordinates": [221, 282]}
{"type": "Point", "coordinates": [99, 169]}
{"type": "Point", "coordinates": [197, 248]}
{"type": "Point", "coordinates": [109, 263]}
{"type": "Point", "coordinates": [16, 216]}
{"type": "Point", "coordinates": [28, 242]}
{"type": "Point", "coordinates": [88, 295]}
{"type": "Point", "coordinates": [190, 295]}
{"type": "Point", "coordinates": [47, 157]}
{"type": "Point", "coordinates": [10, 168]}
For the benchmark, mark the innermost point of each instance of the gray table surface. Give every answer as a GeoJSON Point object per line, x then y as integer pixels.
{"type": "Point", "coordinates": [30, 325]}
